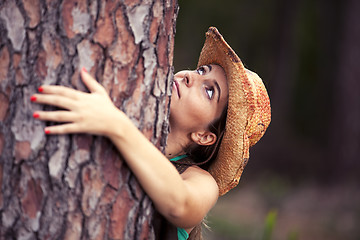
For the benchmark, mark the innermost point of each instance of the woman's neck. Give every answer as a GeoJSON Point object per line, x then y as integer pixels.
{"type": "Point", "coordinates": [176, 144]}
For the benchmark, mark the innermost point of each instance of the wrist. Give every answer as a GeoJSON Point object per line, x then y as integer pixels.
{"type": "Point", "coordinates": [118, 123]}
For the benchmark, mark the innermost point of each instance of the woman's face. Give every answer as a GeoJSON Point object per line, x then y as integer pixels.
{"type": "Point", "coordinates": [198, 98]}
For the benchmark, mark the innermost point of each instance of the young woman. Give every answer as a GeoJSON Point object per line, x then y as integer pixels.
{"type": "Point", "coordinates": [217, 112]}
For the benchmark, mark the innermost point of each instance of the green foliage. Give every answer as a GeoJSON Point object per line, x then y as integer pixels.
{"type": "Point", "coordinates": [270, 222]}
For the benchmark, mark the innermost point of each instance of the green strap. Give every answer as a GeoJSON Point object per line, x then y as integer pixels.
{"type": "Point", "coordinates": [182, 234]}
{"type": "Point", "coordinates": [178, 158]}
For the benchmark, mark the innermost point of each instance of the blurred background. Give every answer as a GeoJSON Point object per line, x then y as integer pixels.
{"type": "Point", "coordinates": [302, 179]}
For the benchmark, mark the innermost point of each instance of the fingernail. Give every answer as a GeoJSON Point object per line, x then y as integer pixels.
{"type": "Point", "coordinates": [84, 69]}
{"type": "Point", "coordinates": [40, 89]}
{"type": "Point", "coordinates": [33, 98]}
{"type": "Point", "coordinates": [47, 131]}
{"type": "Point", "coordinates": [36, 115]}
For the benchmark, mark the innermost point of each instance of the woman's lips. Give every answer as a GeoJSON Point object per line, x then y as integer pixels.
{"type": "Point", "coordinates": [176, 84]}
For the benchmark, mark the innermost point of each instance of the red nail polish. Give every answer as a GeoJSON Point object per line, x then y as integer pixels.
{"type": "Point", "coordinates": [33, 98]}
{"type": "Point", "coordinates": [36, 115]}
{"type": "Point", "coordinates": [40, 89]}
{"type": "Point", "coordinates": [84, 69]}
{"type": "Point", "coordinates": [47, 131]}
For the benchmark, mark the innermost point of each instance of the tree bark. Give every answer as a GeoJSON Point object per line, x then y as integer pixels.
{"type": "Point", "coordinates": [77, 186]}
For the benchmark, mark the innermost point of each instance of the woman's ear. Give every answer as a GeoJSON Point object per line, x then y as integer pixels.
{"type": "Point", "coordinates": [204, 138]}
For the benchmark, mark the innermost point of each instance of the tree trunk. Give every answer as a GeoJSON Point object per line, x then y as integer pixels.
{"type": "Point", "coordinates": [77, 186]}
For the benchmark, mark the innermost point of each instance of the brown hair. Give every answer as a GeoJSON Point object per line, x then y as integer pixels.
{"type": "Point", "coordinates": [205, 155]}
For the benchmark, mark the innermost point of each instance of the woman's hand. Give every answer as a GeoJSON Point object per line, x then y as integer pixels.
{"type": "Point", "coordinates": [91, 113]}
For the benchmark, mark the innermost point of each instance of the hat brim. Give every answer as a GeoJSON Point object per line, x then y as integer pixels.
{"type": "Point", "coordinates": [234, 149]}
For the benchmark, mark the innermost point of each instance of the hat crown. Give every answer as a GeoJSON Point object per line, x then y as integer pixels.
{"type": "Point", "coordinates": [259, 107]}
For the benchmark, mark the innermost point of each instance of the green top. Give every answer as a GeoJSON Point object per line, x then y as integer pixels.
{"type": "Point", "coordinates": [178, 158]}
{"type": "Point", "coordinates": [182, 234]}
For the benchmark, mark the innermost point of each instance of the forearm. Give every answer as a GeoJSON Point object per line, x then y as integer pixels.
{"type": "Point", "coordinates": [158, 177]}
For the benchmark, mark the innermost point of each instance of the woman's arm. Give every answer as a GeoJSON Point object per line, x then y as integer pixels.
{"type": "Point", "coordinates": [183, 199]}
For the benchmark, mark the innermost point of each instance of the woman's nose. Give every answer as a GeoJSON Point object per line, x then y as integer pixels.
{"type": "Point", "coordinates": [188, 80]}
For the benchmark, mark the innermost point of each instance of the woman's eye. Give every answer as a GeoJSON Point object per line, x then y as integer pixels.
{"type": "Point", "coordinates": [201, 70]}
{"type": "Point", "coordinates": [210, 92]}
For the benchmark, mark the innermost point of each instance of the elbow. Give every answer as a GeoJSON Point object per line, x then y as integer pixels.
{"type": "Point", "coordinates": [175, 211]}
{"type": "Point", "coordinates": [181, 215]}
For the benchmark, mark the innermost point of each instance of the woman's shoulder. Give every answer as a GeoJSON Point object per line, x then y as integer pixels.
{"type": "Point", "coordinates": [191, 171]}
{"type": "Point", "coordinates": [194, 169]}
{"type": "Point", "coordinates": [201, 185]}
{"type": "Point", "coordinates": [198, 174]}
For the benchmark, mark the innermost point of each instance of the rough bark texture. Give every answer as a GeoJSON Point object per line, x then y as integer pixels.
{"type": "Point", "coordinates": [76, 186]}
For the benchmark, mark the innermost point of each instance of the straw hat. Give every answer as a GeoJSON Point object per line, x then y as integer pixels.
{"type": "Point", "coordinates": [248, 113]}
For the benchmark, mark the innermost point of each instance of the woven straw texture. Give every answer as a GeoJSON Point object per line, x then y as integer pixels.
{"type": "Point", "coordinates": [248, 114]}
